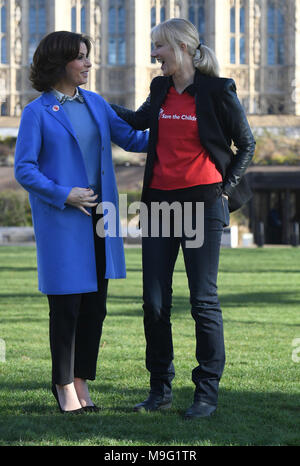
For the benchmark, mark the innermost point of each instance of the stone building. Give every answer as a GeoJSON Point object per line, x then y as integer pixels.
{"type": "Point", "coordinates": [256, 42]}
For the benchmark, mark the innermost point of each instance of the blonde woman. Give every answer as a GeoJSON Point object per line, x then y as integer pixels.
{"type": "Point", "coordinates": [193, 116]}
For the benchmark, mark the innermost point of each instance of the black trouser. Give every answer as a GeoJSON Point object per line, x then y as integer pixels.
{"type": "Point", "coordinates": [201, 264]}
{"type": "Point", "coordinates": [76, 326]}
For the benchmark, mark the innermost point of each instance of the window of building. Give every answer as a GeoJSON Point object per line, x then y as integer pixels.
{"type": "Point", "coordinates": [79, 23]}
{"type": "Point", "coordinates": [3, 109]}
{"type": "Point", "coordinates": [153, 16]}
{"type": "Point", "coordinates": [275, 32]}
{"type": "Point", "coordinates": [117, 33]}
{"type": "Point", "coordinates": [237, 18]}
{"type": "Point", "coordinates": [242, 35]}
{"type": "Point", "coordinates": [3, 50]}
{"type": "Point", "coordinates": [3, 31]}
{"type": "Point", "coordinates": [112, 20]}
{"type": "Point", "coordinates": [232, 50]}
{"type": "Point", "coordinates": [37, 25]}
{"type": "Point", "coordinates": [83, 19]}
{"type": "Point", "coordinates": [122, 20]}
{"type": "Point", "coordinates": [121, 32]}
{"type": "Point", "coordinates": [3, 19]}
{"type": "Point", "coordinates": [232, 18]}
{"type": "Point", "coordinates": [152, 24]}
{"type": "Point", "coordinates": [196, 14]}
{"type": "Point", "coordinates": [73, 19]}
{"type": "Point", "coordinates": [159, 9]}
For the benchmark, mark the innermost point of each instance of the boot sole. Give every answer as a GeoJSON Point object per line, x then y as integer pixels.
{"type": "Point", "coordinates": [199, 416]}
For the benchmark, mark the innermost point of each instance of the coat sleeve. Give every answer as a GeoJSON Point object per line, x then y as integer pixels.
{"type": "Point", "coordinates": [240, 133]}
{"type": "Point", "coordinates": [124, 135]}
{"type": "Point", "coordinates": [27, 172]}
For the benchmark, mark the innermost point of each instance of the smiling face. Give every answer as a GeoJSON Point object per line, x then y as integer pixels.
{"type": "Point", "coordinates": [165, 55]}
{"type": "Point", "coordinates": [76, 72]}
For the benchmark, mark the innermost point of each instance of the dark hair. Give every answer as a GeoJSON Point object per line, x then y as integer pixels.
{"type": "Point", "coordinates": [52, 55]}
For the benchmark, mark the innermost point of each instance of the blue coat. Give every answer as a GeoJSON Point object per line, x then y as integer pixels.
{"type": "Point", "coordinates": [48, 164]}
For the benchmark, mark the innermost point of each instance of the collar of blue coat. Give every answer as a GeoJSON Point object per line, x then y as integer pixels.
{"type": "Point", "coordinates": [63, 97]}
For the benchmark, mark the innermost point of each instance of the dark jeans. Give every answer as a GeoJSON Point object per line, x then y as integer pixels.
{"type": "Point", "coordinates": [75, 326]}
{"type": "Point", "coordinates": [201, 264]}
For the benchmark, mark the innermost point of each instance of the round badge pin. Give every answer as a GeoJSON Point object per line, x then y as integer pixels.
{"type": "Point", "coordinates": [55, 108]}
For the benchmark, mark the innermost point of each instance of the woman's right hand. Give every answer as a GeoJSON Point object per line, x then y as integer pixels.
{"type": "Point", "coordinates": [81, 198]}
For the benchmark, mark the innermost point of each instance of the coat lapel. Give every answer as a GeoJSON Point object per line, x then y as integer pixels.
{"type": "Point", "coordinates": [55, 109]}
{"type": "Point", "coordinates": [157, 99]}
{"type": "Point", "coordinates": [203, 104]}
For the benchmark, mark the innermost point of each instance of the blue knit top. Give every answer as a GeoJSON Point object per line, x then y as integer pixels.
{"type": "Point", "coordinates": [88, 136]}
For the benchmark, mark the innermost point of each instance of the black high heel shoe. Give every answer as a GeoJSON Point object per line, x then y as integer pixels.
{"type": "Point", "coordinates": [74, 411]}
{"type": "Point", "coordinates": [91, 409]}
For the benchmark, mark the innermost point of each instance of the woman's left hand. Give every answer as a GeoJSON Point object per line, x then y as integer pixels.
{"type": "Point", "coordinates": [81, 198]}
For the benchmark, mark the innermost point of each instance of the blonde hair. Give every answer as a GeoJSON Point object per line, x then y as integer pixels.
{"type": "Point", "coordinates": [176, 31]}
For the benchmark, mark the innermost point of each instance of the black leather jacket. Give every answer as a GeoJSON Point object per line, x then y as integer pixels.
{"type": "Point", "coordinates": [221, 121]}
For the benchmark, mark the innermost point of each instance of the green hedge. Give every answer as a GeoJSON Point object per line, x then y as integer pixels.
{"type": "Point", "coordinates": [276, 149]}
{"type": "Point", "coordinates": [14, 209]}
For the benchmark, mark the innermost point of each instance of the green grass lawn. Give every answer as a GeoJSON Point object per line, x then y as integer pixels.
{"type": "Point", "coordinates": [259, 401]}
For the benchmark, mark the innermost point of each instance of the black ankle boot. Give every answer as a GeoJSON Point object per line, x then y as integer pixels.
{"type": "Point", "coordinates": [200, 409]}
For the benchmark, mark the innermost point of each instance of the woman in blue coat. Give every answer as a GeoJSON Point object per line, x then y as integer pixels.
{"type": "Point", "coordinates": [63, 159]}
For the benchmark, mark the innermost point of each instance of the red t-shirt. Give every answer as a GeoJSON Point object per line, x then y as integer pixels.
{"type": "Point", "coordinates": [181, 161]}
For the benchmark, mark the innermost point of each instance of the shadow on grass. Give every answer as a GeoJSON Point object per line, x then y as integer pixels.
{"type": "Point", "coordinates": [181, 304]}
{"type": "Point", "coordinates": [242, 418]}
{"type": "Point", "coordinates": [16, 296]}
{"type": "Point", "coordinates": [18, 269]}
{"type": "Point", "coordinates": [257, 271]}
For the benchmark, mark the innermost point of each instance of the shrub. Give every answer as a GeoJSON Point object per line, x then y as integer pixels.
{"type": "Point", "coordinates": [14, 208]}
{"type": "Point", "coordinates": [7, 148]}
{"type": "Point", "coordinates": [276, 149]}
